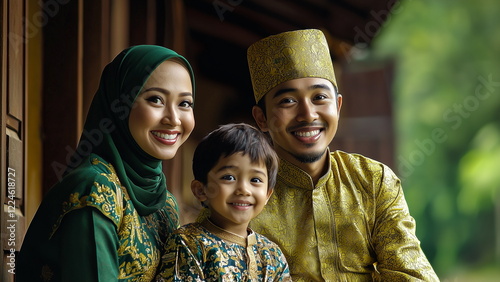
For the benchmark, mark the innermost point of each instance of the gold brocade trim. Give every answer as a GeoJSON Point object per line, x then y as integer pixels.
{"type": "Point", "coordinates": [74, 202]}
{"type": "Point", "coordinates": [108, 201]}
{"type": "Point", "coordinates": [229, 236]}
{"type": "Point", "coordinates": [286, 56]}
{"type": "Point", "coordinates": [101, 196]}
{"type": "Point", "coordinates": [247, 242]}
{"type": "Point", "coordinates": [132, 232]}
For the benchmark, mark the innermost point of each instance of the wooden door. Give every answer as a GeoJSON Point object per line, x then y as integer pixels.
{"type": "Point", "coordinates": [366, 121]}
{"type": "Point", "coordinates": [12, 145]}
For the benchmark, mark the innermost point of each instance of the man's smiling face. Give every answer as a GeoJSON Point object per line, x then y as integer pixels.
{"type": "Point", "coordinates": [302, 118]}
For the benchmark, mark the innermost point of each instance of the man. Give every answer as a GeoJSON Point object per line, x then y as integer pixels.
{"type": "Point", "coordinates": [336, 216]}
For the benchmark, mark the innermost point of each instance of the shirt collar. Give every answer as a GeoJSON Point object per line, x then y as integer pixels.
{"type": "Point", "coordinates": [294, 176]}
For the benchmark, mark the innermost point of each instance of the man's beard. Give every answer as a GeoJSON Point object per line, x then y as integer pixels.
{"type": "Point", "coordinates": [309, 158]}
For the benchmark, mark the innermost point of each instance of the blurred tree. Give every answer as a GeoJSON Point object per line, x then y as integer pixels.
{"type": "Point", "coordinates": [447, 111]}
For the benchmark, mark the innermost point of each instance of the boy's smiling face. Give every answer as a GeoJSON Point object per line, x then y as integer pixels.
{"type": "Point", "coordinates": [236, 192]}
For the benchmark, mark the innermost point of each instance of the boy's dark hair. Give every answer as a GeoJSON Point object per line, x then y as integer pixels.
{"type": "Point", "coordinates": [230, 139]}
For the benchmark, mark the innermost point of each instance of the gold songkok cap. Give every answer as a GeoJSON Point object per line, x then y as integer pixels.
{"type": "Point", "coordinates": [286, 56]}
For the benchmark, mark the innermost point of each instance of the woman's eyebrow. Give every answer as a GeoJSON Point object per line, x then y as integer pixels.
{"type": "Point", "coordinates": [157, 89]}
{"type": "Point", "coordinates": [165, 91]}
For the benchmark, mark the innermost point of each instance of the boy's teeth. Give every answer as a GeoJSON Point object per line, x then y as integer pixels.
{"type": "Point", "coordinates": [307, 133]}
{"type": "Point", "coordinates": [164, 136]}
{"type": "Point", "coordinates": [243, 205]}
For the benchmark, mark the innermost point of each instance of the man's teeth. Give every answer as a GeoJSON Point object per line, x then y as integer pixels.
{"type": "Point", "coordinates": [164, 136]}
{"type": "Point", "coordinates": [242, 205]}
{"type": "Point", "coordinates": [307, 133]}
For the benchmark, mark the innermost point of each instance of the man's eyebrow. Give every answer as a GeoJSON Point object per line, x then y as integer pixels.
{"type": "Point", "coordinates": [312, 87]}
{"type": "Point", "coordinates": [320, 86]}
{"type": "Point", "coordinates": [283, 91]}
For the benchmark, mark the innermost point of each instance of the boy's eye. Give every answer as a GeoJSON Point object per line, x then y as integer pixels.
{"type": "Point", "coordinates": [256, 180]}
{"type": "Point", "coordinates": [228, 177]}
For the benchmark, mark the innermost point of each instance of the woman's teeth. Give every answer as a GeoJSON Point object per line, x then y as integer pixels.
{"type": "Point", "coordinates": [164, 136]}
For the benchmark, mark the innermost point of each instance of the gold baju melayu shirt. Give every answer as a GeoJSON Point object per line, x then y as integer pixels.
{"type": "Point", "coordinates": [353, 225]}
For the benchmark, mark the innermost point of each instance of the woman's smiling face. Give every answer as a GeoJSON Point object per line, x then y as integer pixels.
{"type": "Point", "coordinates": [162, 116]}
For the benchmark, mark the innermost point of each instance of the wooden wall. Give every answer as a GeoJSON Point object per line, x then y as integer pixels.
{"type": "Point", "coordinates": [13, 81]}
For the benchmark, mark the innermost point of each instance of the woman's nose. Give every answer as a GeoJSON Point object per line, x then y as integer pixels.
{"type": "Point", "coordinates": [171, 117]}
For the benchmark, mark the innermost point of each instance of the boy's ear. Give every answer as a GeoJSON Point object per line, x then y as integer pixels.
{"type": "Point", "coordinates": [269, 193]}
{"type": "Point", "coordinates": [260, 118]}
{"type": "Point", "coordinates": [198, 190]}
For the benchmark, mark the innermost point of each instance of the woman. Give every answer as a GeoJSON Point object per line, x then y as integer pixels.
{"type": "Point", "coordinates": [108, 216]}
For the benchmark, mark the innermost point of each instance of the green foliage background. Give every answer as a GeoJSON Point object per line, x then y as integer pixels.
{"type": "Point", "coordinates": [447, 114]}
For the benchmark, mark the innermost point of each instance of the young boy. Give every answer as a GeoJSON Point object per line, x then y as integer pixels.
{"type": "Point", "coordinates": [235, 171]}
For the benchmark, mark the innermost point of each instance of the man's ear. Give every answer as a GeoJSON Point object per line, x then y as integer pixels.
{"type": "Point", "coordinates": [260, 118]}
{"type": "Point", "coordinates": [339, 103]}
{"type": "Point", "coordinates": [198, 190]}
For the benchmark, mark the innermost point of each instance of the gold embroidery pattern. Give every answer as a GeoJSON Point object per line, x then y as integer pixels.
{"type": "Point", "coordinates": [136, 245]}
{"type": "Point", "coordinates": [354, 218]}
{"type": "Point", "coordinates": [106, 199]}
{"type": "Point", "coordinates": [74, 202]}
{"type": "Point", "coordinates": [205, 252]}
{"type": "Point", "coordinates": [141, 237]}
{"type": "Point", "coordinates": [289, 55]}
{"type": "Point", "coordinates": [101, 197]}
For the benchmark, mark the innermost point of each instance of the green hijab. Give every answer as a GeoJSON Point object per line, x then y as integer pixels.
{"type": "Point", "coordinates": [106, 132]}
